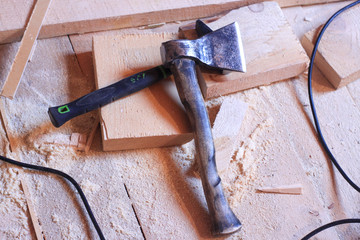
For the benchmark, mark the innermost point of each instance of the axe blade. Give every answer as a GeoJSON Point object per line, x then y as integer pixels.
{"type": "Point", "coordinates": [221, 49]}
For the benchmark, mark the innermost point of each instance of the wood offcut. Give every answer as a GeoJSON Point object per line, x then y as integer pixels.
{"type": "Point", "coordinates": [26, 48]}
{"type": "Point", "coordinates": [153, 117]}
{"type": "Point", "coordinates": [272, 51]}
{"type": "Point", "coordinates": [339, 51]}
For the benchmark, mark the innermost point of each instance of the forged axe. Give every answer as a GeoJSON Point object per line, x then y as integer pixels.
{"type": "Point", "coordinates": [220, 50]}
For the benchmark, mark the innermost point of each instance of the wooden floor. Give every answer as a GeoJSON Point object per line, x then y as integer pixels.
{"type": "Point", "coordinates": [156, 193]}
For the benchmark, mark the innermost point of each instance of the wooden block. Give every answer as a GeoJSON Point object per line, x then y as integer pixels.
{"type": "Point", "coordinates": [69, 17]}
{"type": "Point", "coordinates": [26, 48]}
{"type": "Point", "coordinates": [91, 135]}
{"type": "Point", "coordinates": [226, 128]}
{"type": "Point", "coordinates": [292, 189]}
{"type": "Point", "coordinates": [339, 51]}
{"type": "Point", "coordinates": [153, 117]}
{"type": "Point", "coordinates": [272, 51]}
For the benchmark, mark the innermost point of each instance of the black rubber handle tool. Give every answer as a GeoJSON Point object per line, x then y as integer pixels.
{"type": "Point", "coordinates": [94, 100]}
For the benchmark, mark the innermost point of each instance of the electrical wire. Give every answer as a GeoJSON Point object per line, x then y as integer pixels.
{"type": "Point", "coordinates": [317, 125]}
{"type": "Point", "coordinates": [66, 176]}
{"type": "Point", "coordinates": [329, 225]}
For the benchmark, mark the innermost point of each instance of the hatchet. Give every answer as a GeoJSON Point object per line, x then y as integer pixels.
{"type": "Point", "coordinates": [220, 50]}
{"type": "Point", "coordinates": [103, 96]}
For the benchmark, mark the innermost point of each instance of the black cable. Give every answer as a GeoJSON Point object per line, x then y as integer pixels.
{"type": "Point", "coordinates": [66, 176]}
{"type": "Point", "coordinates": [317, 125]}
{"type": "Point", "coordinates": [329, 225]}
{"type": "Point", "coordinates": [316, 121]}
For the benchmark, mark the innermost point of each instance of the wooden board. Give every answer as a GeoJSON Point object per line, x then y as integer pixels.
{"type": "Point", "coordinates": [68, 17]}
{"type": "Point", "coordinates": [338, 52]}
{"type": "Point", "coordinates": [306, 18]}
{"type": "Point", "coordinates": [153, 117]}
{"type": "Point", "coordinates": [272, 51]}
{"type": "Point", "coordinates": [226, 129]}
{"type": "Point", "coordinates": [26, 48]}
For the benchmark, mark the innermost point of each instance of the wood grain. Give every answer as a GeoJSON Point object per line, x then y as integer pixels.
{"type": "Point", "coordinates": [226, 130]}
{"type": "Point", "coordinates": [30, 205]}
{"type": "Point", "coordinates": [152, 117]}
{"type": "Point", "coordinates": [26, 48]}
{"type": "Point", "coordinates": [338, 53]}
{"type": "Point", "coordinates": [69, 17]}
{"type": "Point", "coordinates": [272, 51]}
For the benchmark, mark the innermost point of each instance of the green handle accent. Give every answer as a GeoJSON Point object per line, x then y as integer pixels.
{"type": "Point", "coordinates": [63, 109]}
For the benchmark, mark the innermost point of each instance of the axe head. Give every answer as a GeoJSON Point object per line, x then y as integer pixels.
{"type": "Point", "coordinates": [221, 49]}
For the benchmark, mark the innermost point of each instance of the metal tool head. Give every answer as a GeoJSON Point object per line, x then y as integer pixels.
{"type": "Point", "coordinates": [220, 49]}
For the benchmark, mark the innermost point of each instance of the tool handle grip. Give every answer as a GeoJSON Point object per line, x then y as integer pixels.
{"type": "Point", "coordinates": [223, 219]}
{"type": "Point", "coordinates": [94, 100]}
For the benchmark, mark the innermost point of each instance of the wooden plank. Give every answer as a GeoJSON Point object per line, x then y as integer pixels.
{"type": "Point", "coordinates": [338, 53]}
{"type": "Point", "coordinates": [153, 117]}
{"type": "Point", "coordinates": [26, 48]}
{"type": "Point", "coordinates": [30, 205]}
{"type": "Point", "coordinates": [226, 130]}
{"type": "Point", "coordinates": [69, 17]}
{"type": "Point", "coordinates": [289, 3]}
{"type": "Point", "coordinates": [6, 125]}
{"type": "Point", "coordinates": [272, 51]}
{"type": "Point", "coordinates": [306, 18]}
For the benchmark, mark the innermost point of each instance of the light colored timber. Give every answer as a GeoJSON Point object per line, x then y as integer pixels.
{"type": "Point", "coordinates": [272, 51]}
{"type": "Point", "coordinates": [291, 189]}
{"type": "Point", "coordinates": [6, 125]}
{"type": "Point", "coordinates": [226, 128]}
{"type": "Point", "coordinates": [33, 215]}
{"type": "Point", "coordinates": [153, 117]}
{"type": "Point", "coordinates": [91, 135]}
{"type": "Point", "coordinates": [26, 48]}
{"type": "Point", "coordinates": [69, 17]}
{"type": "Point", "coordinates": [339, 51]}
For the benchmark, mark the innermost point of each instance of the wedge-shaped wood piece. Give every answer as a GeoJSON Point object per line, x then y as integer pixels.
{"type": "Point", "coordinates": [226, 128]}
{"type": "Point", "coordinates": [296, 189]}
{"type": "Point", "coordinates": [339, 51]}
{"type": "Point", "coordinates": [272, 51]}
{"type": "Point", "coordinates": [26, 48]}
{"type": "Point", "coordinates": [153, 117]}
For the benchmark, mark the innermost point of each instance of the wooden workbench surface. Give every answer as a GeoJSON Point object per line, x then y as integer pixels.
{"type": "Point", "coordinates": [156, 193]}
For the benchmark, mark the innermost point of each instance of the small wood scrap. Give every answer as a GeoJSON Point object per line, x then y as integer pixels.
{"type": "Point", "coordinates": [33, 215]}
{"type": "Point", "coordinates": [338, 53]}
{"type": "Point", "coordinates": [91, 135]}
{"type": "Point", "coordinates": [152, 117]}
{"type": "Point", "coordinates": [264, 30]}
{"type": "Point", "coordinates": [26, 49]}
{"type": "Point", "coordinates": [296, 189]}
{"type": "Point", "coordinates": [226, 128]}
{"type": "Point", "coordinates": [78, 141]}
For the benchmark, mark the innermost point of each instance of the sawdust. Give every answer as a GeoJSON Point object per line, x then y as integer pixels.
{"type": "Point", "coordinates": [242, 171]}
{"type": "Point", "coordinates": [13, 209]}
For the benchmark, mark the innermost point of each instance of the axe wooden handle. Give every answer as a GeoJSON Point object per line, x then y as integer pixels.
{"type": "Point", "coordinates": [223, 219]}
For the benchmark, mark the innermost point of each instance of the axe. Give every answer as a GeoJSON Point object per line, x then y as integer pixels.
{"type": "Point", "coordinates": [103, 96]}
{"type": "Point", "coordinates": [220, 50]}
